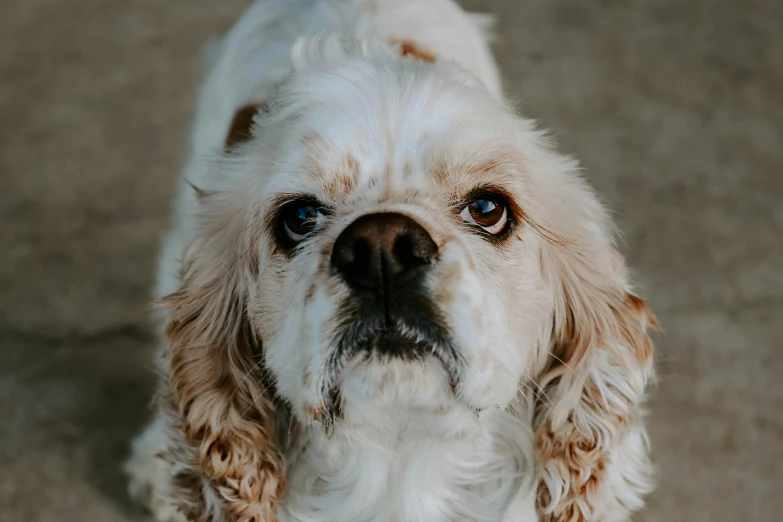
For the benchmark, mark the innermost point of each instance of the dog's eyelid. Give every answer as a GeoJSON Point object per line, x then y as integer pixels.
{"type": "Point", "coordinates": [487, 191]}
{"type": "Point", "coordinates": [458, 202]}
{"type": "Point", "coordinates": [284, 199]}
{"type": "Point", "coordinates": [287, 234]}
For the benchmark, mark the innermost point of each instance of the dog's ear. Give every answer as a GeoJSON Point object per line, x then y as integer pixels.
{"type": "Point", "coordinates": [592, 447]}
{"type": "Point", "coordinates": [591, 442]}
{"type": "Point", "coordinates": [221, 419]}
{"type": "Point", "coordinates": [241, 129]}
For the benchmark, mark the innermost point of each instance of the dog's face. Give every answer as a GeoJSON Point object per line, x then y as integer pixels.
{"type": "Point", "coordinates": [393, 243]}
{"type": "Point", "coordinates": [399, 268]}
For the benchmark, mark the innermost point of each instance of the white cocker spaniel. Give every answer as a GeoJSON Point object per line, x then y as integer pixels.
{"type": "Point", "coordinates": [386, 296]}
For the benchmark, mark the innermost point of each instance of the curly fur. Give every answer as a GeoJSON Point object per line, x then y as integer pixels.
{"type": "Point", "coordinates": [382, 106]}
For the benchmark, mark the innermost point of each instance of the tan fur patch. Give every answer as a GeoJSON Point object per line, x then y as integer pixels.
{"type": "Point", "coordinates": [226, 425]}
{"type": "Point", "coordinates": [351, 165]}
{"type": "Point", "coordinates": [313, 140]}
{"type": "Point", "coordinates": [408, 48]}
{"type": "Point", "coordinates": [241, 127]}
{"type": "Point", "coordinates": [340, 176]}
{"type": "Point", "coordinates": [598, 316]}
{"type": "Point", "coordinates": [584, 464]}
{"type": "Point", "coordinates": [345, 176]}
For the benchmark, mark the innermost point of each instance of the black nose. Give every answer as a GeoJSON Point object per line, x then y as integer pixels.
{"type": "Point", "coordinates": [380, 250]}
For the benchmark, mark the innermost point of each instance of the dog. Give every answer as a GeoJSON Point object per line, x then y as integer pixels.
{"type": "Point", "coordinates": [386, 296]}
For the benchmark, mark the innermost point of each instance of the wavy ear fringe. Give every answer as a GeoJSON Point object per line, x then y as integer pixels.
{"type": "Point", "coordinates": [591, 442]}
{"type": "Point", "coordinates": [225, 465]}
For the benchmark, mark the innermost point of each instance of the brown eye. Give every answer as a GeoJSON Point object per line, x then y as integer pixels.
{"type": "Point", "coordinates": [488, 211]}
{"type": "Point", "coordinates": [300, 218]}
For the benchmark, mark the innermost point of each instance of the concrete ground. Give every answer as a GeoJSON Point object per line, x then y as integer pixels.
{"type": "Point", "coordinates": [675, 108]}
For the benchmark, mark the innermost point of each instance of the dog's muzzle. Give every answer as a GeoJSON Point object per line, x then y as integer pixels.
{"type": "Point", "coordinates": [384, 259]}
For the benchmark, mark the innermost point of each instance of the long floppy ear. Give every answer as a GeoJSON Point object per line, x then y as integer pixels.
{"type": "Point", "coordinates": [592, 445]}
{"type": "Point", "coordinates": [220, 418]}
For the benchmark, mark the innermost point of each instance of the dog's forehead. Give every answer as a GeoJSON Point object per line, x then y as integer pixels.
{"type": "Point", "coordinates": [384, 135]}
{"type": "Point", "coordinates": [341, 166]}
{"type": "Point", "coordinates": [396, 165]}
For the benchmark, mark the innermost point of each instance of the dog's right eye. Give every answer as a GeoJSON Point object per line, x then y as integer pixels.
{"type": "Point", "coordinates": [300, 218]}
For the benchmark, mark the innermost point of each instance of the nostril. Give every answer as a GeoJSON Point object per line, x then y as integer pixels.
{"type": "Point", "coordinates": [378, 249]}
{"type": "Point", "coordinates": [361, 255]}
{"type": "Point", "coordinates": [403, 251]}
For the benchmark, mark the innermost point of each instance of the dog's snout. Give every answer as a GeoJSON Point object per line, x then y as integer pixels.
{"type": "Point", "coordinates": [378, 250]}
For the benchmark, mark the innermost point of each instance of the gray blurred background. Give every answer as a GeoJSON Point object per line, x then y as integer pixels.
{"type": "Point", "coordinates": [675, 108]}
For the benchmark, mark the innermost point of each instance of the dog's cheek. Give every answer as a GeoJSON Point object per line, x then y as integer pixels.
{"type": "Point", "coordinates": [464, 295]}
{"type": "Point", "coordinates": [496, 306]}
{"type": "Point", "coordinates": [298, 352]}
{"type": "Point", "coordinates": [526, 315]}
{"type": "Point", "coordinates": [490, 377]}
{"type": "Point", "coordinates": [317, 332]}
{"type": "Point", "coordinates": [277, 311]}
{"type": "Point", "coordinates": [458, 295]}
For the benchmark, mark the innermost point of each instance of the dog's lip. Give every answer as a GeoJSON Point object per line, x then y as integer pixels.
{"type": "Point", "coordinates": [421, 344]}
{"type": "Point", "coordinates": [396, 340]}
{"type": "Point", "coordinates": [425, 344]}
{"type": "Point", "coordinates": [393, 334]}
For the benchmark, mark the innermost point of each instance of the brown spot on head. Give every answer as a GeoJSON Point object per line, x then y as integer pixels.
{"type": "Point", "coordinates": [440, 169]}
{"type": "Point", "coordinates": [486, 167]}
{"type": "Point", "coordinates": [345, 176]}
{"type": "Point", "coordinates": [341, 183]}
{"type": "Point", "coordinates": [313, 140]}
{"type": "Point", "coordinates": [306, 378]}
{"type": "Point", "coordinates": [351, 166]}
{"type": "Point", "coordinates": [408, 48]}
{"type": "Point", "coordinates": [241, 128]}
{"type": "Point", "coordinates": [338, 174]}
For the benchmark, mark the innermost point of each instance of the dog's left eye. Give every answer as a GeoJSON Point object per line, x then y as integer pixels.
{"type": "Point", "coordinates": [299, 218]}
{"type": "Point", "coordinates": [488, 211]}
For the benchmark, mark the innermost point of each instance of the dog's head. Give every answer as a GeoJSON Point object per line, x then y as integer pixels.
{"type": "Point", "coordinates": [391, 236]}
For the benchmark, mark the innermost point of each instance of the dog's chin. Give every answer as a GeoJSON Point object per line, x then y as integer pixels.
{"type": "Point", "coordinates": [420, 382]}
{"type": "Point", "coordinates": [397, 364]}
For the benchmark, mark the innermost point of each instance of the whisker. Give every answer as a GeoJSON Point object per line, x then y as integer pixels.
{"type": "Point", "coordinates": [562, 361]}
{"type": "Point", "coordinates": [244, 377]}
{"type": "Point", "coordinates": [547, 402]}
{"type": "Point", "coordinates": [541, 392]}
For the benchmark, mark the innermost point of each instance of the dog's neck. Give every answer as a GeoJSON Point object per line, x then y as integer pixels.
{"type": "Point", "coordinates": [415, 466]}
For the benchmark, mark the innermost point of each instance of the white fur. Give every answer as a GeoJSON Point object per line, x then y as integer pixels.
{"type": "Point", "coordinates": [407, 448]}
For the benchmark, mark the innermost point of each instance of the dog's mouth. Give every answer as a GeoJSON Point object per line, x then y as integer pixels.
{"type": "Point", "coordinates": [370, 338]}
